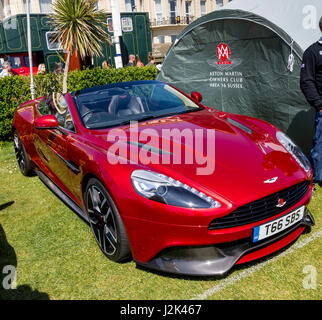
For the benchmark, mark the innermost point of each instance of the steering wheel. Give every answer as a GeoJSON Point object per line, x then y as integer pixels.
{"type": "Point", "coordinates": [89, 112]}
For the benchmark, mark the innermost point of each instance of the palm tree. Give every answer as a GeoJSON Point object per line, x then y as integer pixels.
{"type": "Point", "coordinates": [80, 27]}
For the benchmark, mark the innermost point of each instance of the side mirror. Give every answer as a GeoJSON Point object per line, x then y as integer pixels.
{"type": "Point", "coordinates": [47, 121]}
{"type": "Point", "coordinates": [196, 96]}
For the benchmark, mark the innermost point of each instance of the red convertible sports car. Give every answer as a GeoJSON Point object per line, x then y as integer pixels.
{"type": "Point", "coordinates": [159, 177]}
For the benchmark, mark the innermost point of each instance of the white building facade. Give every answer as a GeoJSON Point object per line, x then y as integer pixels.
{"type": "Point", "coordinates": [167, 17]}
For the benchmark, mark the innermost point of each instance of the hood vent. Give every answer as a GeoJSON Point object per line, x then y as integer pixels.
{"type": "Point", "coordinates": [240, 126]}
{"type": "Point", "coordinates": [149, 148]}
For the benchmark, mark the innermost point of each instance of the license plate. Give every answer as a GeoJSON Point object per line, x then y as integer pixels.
{"type": "Point", "coordinates": [275, 226]}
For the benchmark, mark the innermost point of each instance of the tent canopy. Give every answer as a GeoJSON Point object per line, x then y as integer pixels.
{"type": "Point", "coordinates": [298, 18]}
{"type": "Point", "coordinates": [240, 63]}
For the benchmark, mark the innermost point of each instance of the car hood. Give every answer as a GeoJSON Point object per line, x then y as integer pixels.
{"type": "Point", "coordinates": [235, 157]}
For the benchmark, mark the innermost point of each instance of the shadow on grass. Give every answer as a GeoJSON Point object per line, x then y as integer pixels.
{"type": "Point", "coordinates": [6, 205]}
{"type": "Point", "coordinates": [8, 267]}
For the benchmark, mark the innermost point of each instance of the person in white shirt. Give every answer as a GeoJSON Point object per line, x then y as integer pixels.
{"type": "Point", "coordinates": [6, 68]}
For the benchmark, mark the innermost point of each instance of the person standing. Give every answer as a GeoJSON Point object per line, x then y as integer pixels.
{"type": "Point", "coordinates": [41, 69]}
{"type": "Point", "coordinates": [311, 86]}
{"type": "Point", "coordinates": [58, 68]}
{"type": "Point", "coordinates": [6, 69]}
{"type": "Point", "coordinates": [131, 60]}
{"type": "Point", "coordinates": [105, 65]}
{"type": "Point", "coordinates": [151, 60]}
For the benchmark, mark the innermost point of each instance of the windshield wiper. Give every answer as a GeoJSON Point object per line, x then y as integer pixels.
{"type": "Point", "coordinates": [154, 116]}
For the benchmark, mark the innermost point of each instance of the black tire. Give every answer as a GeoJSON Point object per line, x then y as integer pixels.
{"type": "Point", "coordinates": [23, 160]}
{"type": "Point", "coordinates": [106, 223]}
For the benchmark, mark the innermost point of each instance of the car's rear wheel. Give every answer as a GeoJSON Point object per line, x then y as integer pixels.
{"type": "Point", "coordinates": [23, 161]}
{"type": "Point", "coordinates": [105, 222]}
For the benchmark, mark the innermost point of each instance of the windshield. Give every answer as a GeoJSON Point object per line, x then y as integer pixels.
{"type": "Point", "coordinates": [15, 62]}
{"type": "Point", "coordinates": [113, 106]}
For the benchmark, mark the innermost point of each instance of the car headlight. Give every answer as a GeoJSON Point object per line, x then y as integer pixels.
{"type": "Point", "coordinates": [294, 150]}
{"type": "Point", "coordinates": [158, 187]}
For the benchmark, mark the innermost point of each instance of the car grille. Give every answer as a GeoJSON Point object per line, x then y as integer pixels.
{"type": "Point", "coordinates": [263, 208]}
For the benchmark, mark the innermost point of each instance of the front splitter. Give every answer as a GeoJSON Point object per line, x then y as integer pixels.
{"type": "Point", "coordinates": [220, 258]}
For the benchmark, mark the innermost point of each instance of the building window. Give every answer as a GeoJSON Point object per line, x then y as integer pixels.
{"type": "Point", "coordinates": [188, 11]}
{"type": "Point", "coordinates": [158, 11]}
{"type": "Point", "coordinates": [173, 11]}
{"type": "Point", "coordinates": [45, 6]}
{"type": "Point", "coordinates": [161, 39]}
{"type": "Point", "coordinates": [1, 10]}
{"type": "Point", "coordinates": [15, 62]}
{"type": "Point", "coordinates": [5, 8]}
{"type": "Point", "coordinates": [25, 6]}
{"type": "Point", "coordinates": [52, 43]}
{"type": "Point", "coordinates": [219, 3]}
{"type": "Point", "coordinates": [203, 9]}
{"type": "Point", "coordinates": [127, 25]}
{"type": "Point", "coordinates": [129, 5]}
{"type": "Point", "coordinates": [173, 38]}
{"type": "Point", "coordinates": [109, 24]}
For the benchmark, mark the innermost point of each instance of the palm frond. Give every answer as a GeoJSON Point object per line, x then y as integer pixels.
{"type": "Point", "coordinates": [79, 26]}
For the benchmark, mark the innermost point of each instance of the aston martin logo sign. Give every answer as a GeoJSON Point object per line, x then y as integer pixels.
{"type": "Point", "coordinates": [223, 54]}
{"type": "Point", "coordinates": [224, 60]}
{"type": "Point", "coordinates": [280, 203]}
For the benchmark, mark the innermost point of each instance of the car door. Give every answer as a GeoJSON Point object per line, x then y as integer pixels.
{"type": "Point", "coordinates": [52, 144]}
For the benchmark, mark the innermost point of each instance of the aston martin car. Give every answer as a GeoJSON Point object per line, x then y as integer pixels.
{"type": "Point", "coordinates": [164, 180]}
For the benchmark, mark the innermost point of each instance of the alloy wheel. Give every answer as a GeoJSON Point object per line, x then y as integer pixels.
{"type": "Point", "coordinates": [102, 220]}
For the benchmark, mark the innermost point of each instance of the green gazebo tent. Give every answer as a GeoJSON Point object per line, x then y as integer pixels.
{"type": "Point", "coordinates": [243, 63]}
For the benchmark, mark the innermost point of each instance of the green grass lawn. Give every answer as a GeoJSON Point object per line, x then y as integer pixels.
{"type": "Point", "coordinates": [56, 255]}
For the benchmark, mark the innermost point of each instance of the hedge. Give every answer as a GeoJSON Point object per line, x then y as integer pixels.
{"type": "Point", "coordinates": [15, 90]}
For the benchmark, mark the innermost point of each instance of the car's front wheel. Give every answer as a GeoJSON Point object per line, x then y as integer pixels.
{"type": "Point", "coordinates": [105, 222]}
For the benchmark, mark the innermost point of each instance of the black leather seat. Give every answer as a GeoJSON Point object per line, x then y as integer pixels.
{"type": "Point", "coordinates": [123, 105]}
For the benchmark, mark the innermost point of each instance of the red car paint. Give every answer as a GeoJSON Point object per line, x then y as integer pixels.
{"type": "Point", "coordinates": [23, 69]}
{"type": "Point", "coordinates": [241, 167]}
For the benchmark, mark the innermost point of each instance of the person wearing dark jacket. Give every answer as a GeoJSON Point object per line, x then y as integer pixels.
{"type": "Point", "coordinates": [311, 86]}
{"type": "Point", "coordinates": [131, 60]}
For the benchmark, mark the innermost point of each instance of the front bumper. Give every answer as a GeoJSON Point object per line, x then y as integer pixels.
{"type": "Point", "coordinates": [220, 258]}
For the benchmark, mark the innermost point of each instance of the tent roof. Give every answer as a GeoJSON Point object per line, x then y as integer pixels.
{"type": "Point", "coordinates": [225, 14]}
{"type": "Point", "coordinates": [298, 18]}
